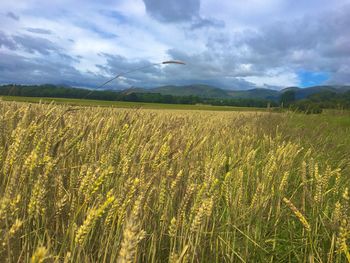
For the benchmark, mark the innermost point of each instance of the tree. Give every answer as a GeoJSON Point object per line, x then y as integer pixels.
{"type": "Point", "coordinates": [287, 97]}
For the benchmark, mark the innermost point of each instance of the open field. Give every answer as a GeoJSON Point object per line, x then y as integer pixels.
{"type": "Point", "coordinates": [126, 104]}
{"type": "Point", "coordinates": [100, 184]}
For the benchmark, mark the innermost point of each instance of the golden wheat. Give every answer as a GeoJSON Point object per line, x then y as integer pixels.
{"type": "Point", "coordinates": [112, 185]}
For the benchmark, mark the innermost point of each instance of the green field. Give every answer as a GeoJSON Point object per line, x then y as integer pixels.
{"type": "Point", "coordinates": [328, 134]}
{"type": "Point", "coordinates": [126, 104]}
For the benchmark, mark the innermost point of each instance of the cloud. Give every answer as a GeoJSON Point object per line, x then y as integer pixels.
{"type": "Point", "coordinates": [341, 75]}
{"type": "Point", "coordinates": [7, 42]}
{"type": "Point", "coordinates": [173, 10]}
{"type": "Point", "coordinates": [205, 22]}
{"type": "Point", "coordinates": [39, 31]}
{"type": "Point", "coordinates": [275, 78]}
{"type": "Point", "coordinates": [314, 43]}
{"type": "Point", "coordinates": [116, 16]}
{"type": "Point", "coordinates": [12, 16]}
{"type": "Point", "coordinates": [36, 44]}
{"type": "Point", "coordinates": [19, 69]}
{"type": "Point", "coordinates": [141, 73]}
{"type": "Point", "coordinates": [340, 48]}
{"type": "Point", "coordinates": [229, 44]}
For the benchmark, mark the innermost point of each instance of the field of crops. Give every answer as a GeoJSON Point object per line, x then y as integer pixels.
{"type": "Point", "coordinates": [127, 104]}
{"type": "Point", "coordinates": [89, 184]}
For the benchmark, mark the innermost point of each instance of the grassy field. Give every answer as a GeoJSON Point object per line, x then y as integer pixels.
{"type": "Point", "coordinates": [100, 184]}
{"type": "Point", "coordinates": [126, 104]}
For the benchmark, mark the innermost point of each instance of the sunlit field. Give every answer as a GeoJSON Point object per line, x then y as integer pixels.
{"type": "Point", "coordinates": [127, 104]}
{"type": "Point", "coordinates": [92, 184]}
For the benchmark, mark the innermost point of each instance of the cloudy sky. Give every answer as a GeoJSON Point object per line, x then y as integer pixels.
{"type": "Point", "coordinates": [233, 44]}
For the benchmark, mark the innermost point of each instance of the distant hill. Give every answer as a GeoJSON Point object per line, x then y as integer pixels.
{"type": "Point", "coordinates": [192, 94]}
{"type": "Point", "coordinates": [267, 94]}
{"type": "Point", "coordinates": [199, 90]}
{"type": "Point", "coordinates": [196, 90]}
{"type": "Point", "coordinates": [206, 91]}
{"type": "Point", "coordinates": [296, 89]}
{"type": "Point", "coordinates": [302, 93]}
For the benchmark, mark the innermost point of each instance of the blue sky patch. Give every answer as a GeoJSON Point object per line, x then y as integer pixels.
{"type": "Point", "coordinates": [309, 78]}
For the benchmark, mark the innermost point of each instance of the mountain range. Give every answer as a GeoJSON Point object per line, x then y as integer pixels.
{"type": "Point", "coordinates": [206, 91]}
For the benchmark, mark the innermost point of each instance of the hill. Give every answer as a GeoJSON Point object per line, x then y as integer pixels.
{"type": "Point", "coordinates": [198, 90]}
{"type": "Point", "coordinates": [302, 93]}
{"type": "Point", "coordinates": [267, 94]}
{"type": "Point", "coordinates": [206, 91]}
{"type": "Point", "coordinates": [189, 94]}
{"type": "Point", "coordinates": [183, 95]}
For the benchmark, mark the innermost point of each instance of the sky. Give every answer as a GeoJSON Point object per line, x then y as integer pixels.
{"type": "Point", "coordinates": [231, 44]}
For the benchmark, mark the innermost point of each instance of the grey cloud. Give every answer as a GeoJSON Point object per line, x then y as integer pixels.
{"type": "Point", "coordinates": [39, 31]}
{"type": "Point", "coordinates": [18, 69]}
{"type": "Point", "coordinates": [32, 44]}
{"type": "Point", "coordinates": [117, 64]}
{"type": "Point", "coordinates": [173, 10]}
{"type": "Point", "coordinates": [319, 42]}
{"type": "Point", "coordinates": [12, 63]}
{"type": "Point", "coordinates": [310, 33]}
{"type": "Point", "coordinates": [341, 48]}
{"type": "Point", "coordinates": [12, 16]}
{"type": "Point", "coordinates": [210, 68]}
{"type": "Point", "coordinates": [6, 41]}
{"type": "Point", "coordinates": [57, 69]}
{"type": "Point", "coordinates": [341, 75]}
{"type": "Point", "coordinates": [137, 73]}
{"type": "Point", "coordinates": [206, 22]}
{"type": "Point", "coordinates": [150, 75]}
{"type": "Point", "coordinates": [36, 44]}
{"type": "Point", "coordinates": [199, 64]}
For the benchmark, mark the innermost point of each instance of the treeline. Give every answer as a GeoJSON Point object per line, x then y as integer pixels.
{"type": "Point", "coordinates": [315, 103]}
{"type": "Point", "coordinates": [77, 93]}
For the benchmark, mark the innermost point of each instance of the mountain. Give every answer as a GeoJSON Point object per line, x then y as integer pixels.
{"type": "Point", "coordinates": [206, 91]}
{"type": "Point", "coordinates": [195, 90]}
{"type": "Point", "coordinates": [295, 89]}
{"type": "Point", "coordinates": [264, 94]}
{"type": "Point", "coordinates": [302, 93]}
{"type": "Point", "coordinates": [134, 90]}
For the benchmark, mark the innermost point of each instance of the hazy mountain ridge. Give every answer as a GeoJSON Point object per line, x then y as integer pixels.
{"type": "Point", "coordinates": [206, 91]}
{"type": "Point", "coordinates": [302, 93]}
{"type": "Point", "coordinates": [195, 90]}
{"type": "Point", "coordinates": [199, 90]}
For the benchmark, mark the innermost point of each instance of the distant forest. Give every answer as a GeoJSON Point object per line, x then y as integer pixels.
{"type": "Point", "coordinates": [311, 104]}
{"type": "Point", "coordinates": [316, 102]}
{"type": "Point", "coordinates": [77, 93]}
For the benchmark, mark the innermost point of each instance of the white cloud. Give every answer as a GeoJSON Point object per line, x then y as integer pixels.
{"type": "Point", "coordinates": [275, 77]}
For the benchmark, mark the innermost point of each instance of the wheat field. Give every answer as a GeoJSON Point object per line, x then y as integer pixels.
{"type": "Point", "coordinates": [88, 184]}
